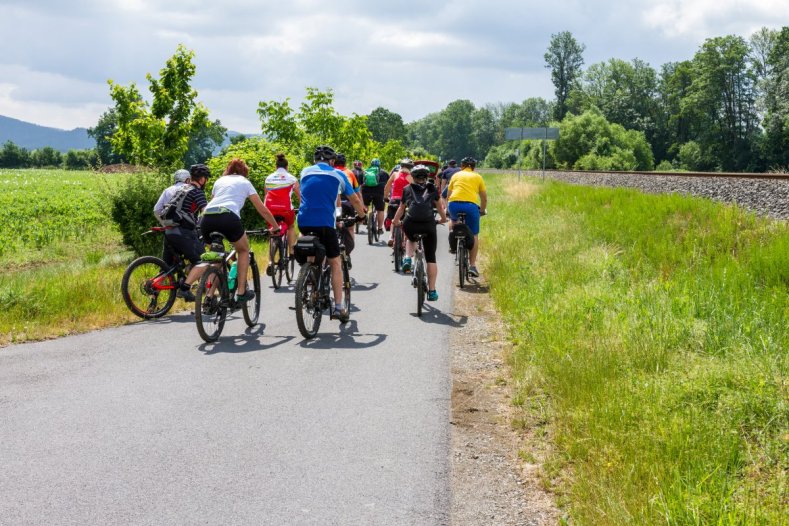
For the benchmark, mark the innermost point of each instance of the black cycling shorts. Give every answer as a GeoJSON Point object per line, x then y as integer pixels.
{"type": "Point", "coordinates": [327, 237]}
{"type": "Point", "coordinates": [430, 241]}
{"type": "Point", "coordinates": [228, 224]}
{"type": "Point", "coordinates": [375, 196]}
{"type": "Point", "coordinates": [183, 241]}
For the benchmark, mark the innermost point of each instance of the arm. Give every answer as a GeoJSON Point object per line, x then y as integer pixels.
{"type": "Point", "coordinates": [483, 201]}
{"type": "Point", "coordinates": [356, 201]}
{"type": "Point", "coordinates": [297, 189]}
{"type": "Point", "coordinates": [441, 212]}
{"type": "Point", "coordinates": [262, 210]}
{"type": "Point", "coordinates": [388, 187]}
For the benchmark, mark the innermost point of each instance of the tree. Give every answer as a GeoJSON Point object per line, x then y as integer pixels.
{"type": "Point", "coordinates": [80, 159]}
{"type": "Point", "coordinates": [385, 125]}
{"type": "Point", "coordinates": [46, 157]}
{"type": "Point", "coordinates": [676, 123]}
{"type": "Point", "coordinates": [158, 134]}
{"type": "Point", "coordinates": [102, 133]}
{"type": "Point", "coordinates": [203, 141]}
{"type": "Point", "coordinates": [13, 156]}
{"type": "Point", "coordinates": [455, 130]}
{"type": "Point", "coordinates": [564, 58]}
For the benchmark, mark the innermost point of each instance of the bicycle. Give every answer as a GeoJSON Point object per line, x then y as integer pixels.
{"type": "Point", "coordinates": [313, 285]}
{"type": "Point", "coordinates": [214, 296]}
{"type": "Point", "coordinates": [419, 281]}
{"type": "Point", "coordinates": [372, 226]}
{"type": "Point", "coordinates": [461, 255]}
{"type": "Point", "coordinates": [280, 261]}
{"type": "Point", "coordinates": [398, 246]}
{"type": "Point", "coordinates": [149, 285]}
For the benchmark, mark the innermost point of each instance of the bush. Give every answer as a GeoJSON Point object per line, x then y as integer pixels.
{"type": "Point", "coordinates": [664, 166]}
{"type": "Point", "coordinates": [132, 211]}
{"type": "Point", "coordinates": [690, 157]}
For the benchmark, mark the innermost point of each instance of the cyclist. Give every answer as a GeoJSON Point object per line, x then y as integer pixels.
{"type": "Point", "coordinates": [320, 185]}
{"type": "Point", "coordinates": [419, 199]}
{"type": "Point", "coordinates": [446, 176]}
{"type": "Point", "coordinates": [182, 239]}
{"type": "Point", "coordinates": [464, 191]}
{"type": "Point", "coordinates": [223, 214]}
{"type": "Point", "coordinates": [373, 185]}
{"type": "Point", "coordinates": [349, 234]}
{"type": "Point", "coordinates": [280, 187]}
{"type": "Point", "coordinates": [398, 180]}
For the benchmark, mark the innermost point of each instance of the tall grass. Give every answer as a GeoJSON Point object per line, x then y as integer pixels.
{"type": "Point", "coordinates": [651, 333]}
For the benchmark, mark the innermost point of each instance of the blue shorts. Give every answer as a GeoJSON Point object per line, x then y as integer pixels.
{"type": "Point", "coordinates": [471, 210]}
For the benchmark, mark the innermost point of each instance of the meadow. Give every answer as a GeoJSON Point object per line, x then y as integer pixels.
{"type": "Point", "coordinates": [649, 350]}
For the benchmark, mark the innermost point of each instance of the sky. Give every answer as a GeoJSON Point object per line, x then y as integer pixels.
{"type": "Point", "coordinates": [412, 57]}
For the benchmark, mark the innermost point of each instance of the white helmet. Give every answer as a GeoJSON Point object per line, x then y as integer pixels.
{"type": "Point", "coordinates": [181, 176]}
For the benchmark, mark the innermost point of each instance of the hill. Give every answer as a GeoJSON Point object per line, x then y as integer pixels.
{"type": "Point", "coordinates": [33, 136]}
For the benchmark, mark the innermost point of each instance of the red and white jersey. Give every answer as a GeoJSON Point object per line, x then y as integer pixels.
{"type": "Point", "coordinates": [279, 189]}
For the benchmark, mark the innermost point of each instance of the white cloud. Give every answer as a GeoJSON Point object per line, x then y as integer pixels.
{"type": "Point", "coordinates": [699, 19]}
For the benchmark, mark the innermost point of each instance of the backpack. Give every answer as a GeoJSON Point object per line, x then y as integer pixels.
{"type": "Point", "coordinates": [173, 213]}
{"type": "Point", "coordinates": [371, 176]}
{"type": "Point", "coordinates": [420, 208]}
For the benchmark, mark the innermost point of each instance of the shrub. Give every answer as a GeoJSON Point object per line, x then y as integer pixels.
{"type": "Point", "coordinates": [690, 157]}
{"type": "Point", "coordinates": [132, 211]}
{"type": "Point", "coordinates": [664, 166]}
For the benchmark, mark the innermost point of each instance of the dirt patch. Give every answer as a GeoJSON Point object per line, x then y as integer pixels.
{"type": "Point", "coordinates": [496, 471]}
{"type": "Point", "coordinates": [520, 190]}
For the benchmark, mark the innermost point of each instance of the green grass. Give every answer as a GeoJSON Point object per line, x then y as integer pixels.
{"type": "Point", "coordinates": [650, 333]}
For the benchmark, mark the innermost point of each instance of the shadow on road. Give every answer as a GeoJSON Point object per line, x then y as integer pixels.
{"type": "Point", "coordinates": [252, 340]}
{"type": "Point", "coordinates": [348, 337]}
{"type": "Point", "coordinates": [432, 315]}
{"type": "Point", "coordinates": [476, 287]}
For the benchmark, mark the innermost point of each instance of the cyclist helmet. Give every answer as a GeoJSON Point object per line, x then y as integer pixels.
{"type": "Point", "coordinates": [452, 162]}
{"type": "Point", "coordinates": [468, 161]}
{"type": "Point", "coordinates": [357, 164]}
{"type": "Point", "coordinates": [181, 176]}
{"type": "Point", "coordinates": [196, 171]}
{"type": "Point", "coordinates": [340, 159]}
{"type": "Point", "coordinates": [420, 172]}
{"type": "Point", "coordinates": [324, 153]}
{"type": "Point", "coordinates": [376, 163]}
{"type": "Point", "coordinates": [407, 163]}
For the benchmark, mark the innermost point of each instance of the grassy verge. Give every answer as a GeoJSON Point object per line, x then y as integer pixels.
{"type": "Point", "coordinates": [651, 336]}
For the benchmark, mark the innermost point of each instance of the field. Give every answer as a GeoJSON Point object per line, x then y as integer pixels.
{"type": "Point", "coordinates": [61, 254]}
{"type": "Point", "coordinates": [650, 341]}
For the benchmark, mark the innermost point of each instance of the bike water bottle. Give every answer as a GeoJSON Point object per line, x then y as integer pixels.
{"type": "Point", "coordinates": [231, 277]}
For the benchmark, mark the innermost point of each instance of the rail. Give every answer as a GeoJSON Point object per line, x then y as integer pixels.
{"type": "Point", "coordinates": [727, 175]}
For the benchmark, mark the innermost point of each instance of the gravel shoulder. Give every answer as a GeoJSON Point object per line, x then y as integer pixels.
{"type": "Point", "coordinates": [492, 482]}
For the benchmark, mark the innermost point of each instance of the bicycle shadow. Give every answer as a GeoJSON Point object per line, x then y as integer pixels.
{"type": "Point", "coordinates": [431, 314]}
{"type": "Point", "coordinates": [347, 338]}
{"type": "Point", "coordinates": [475, 286]}
{"type": "Point", "coordinates": [363, 287]}
{"type": "Point", "coordinates": [250, 341]}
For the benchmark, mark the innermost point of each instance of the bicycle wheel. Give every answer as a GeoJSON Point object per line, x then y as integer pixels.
{"type": "Point", "coordinates": [211, 305]}
{"type": "Point", "coordinates": [308, 311]}
{"type": "Point", "coordinates": [147, 288]}
{"type": "Point", "coordinates": [275, 261]}
{"type": "Point", "coordinates": [419, 275]}
{"type": "Point", "coordinates": [251, 309]}
{"type": "Point", "coordinates": [398, 248]}
{"type": "Point", "coordinates": [346, 288]}
{"type": "Point", "coordinates": [371, 227]}
{"type": "Point", "coordinates": [290, 268]}
{"type": "Point", "coordinates": [462, 262]}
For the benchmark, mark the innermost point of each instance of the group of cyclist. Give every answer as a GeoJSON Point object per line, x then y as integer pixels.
{"type": "Point", "coordinates": [414, 198]}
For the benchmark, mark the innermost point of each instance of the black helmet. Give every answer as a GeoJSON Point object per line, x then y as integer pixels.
{"type": "Point", "coordinates": [452, 162]}
{"type": "Point", "coordinates": [324, 153]}
{"type": "Point", "coordinates": [420, 171]}
{"type": "Point", "coordinates": [407, 163]}
{"type": "Point", "coordinates": [468, 161]}
{"type": "Point", "coordinates": [340, 159]}
{"type": "Point", "coordinates": [196, 171]}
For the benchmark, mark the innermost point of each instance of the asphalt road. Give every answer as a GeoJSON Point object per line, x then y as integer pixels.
{"type": "Point", "coordinates": [146, 424]}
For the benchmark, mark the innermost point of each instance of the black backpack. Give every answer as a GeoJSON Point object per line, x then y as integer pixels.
{"type": "Point", "coordinates": [420, 207]}
{"type": "Point", "coordinates": [173, 213]}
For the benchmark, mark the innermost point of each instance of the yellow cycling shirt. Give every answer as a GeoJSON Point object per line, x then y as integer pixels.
{"type": "Point", "coordinates": [466, 185]}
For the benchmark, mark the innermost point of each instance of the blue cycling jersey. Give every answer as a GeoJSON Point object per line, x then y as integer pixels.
{"type": "Point", "coordinates": [320, 184]}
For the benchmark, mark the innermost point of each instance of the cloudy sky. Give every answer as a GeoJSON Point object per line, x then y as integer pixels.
{"type": "Point", "coordinates": [410, 56]}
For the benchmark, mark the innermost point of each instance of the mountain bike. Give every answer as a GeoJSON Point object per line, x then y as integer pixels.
{"type": "Point", "coordinates": [149, 285]}
{"type": "Point", "coordinates": [214, 296]}
{"type": "Point", "coordinates": [313, 286]}
{"type": "Point", "coordinates": [372, 226]}
{"type": "Point", "coordinates": [280, 261]}
{"type": "Point", "coordinates": [419, 282]}
{"type": "Point", "coordinates": [398, 246]}
{"type": "Point", "coordinates": [461, 255]}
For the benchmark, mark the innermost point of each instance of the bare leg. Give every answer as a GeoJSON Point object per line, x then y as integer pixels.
{"type": "Point", "coordinates": [291, 239]}
{"type": "Point", "coordinates": [432, 274]}
{"type": "Point", "coordinates": [242, 257]}
{"type": "Point", "coordinates": [336, 279]}
{"type": "Point", "coordinates": [473, 254]}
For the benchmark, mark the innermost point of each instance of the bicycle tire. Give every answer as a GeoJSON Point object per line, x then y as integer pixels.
{"type": "Point", "coordinates": [290, 268]}
{"type": "Point", "coordinates": [252, 312]}
{"type": "Point", "coordinates": [376, 225]}
{"type": "Point", "coordinates": [462, 262]}
{"type": "Point", "coordinates": [308, 311]}
{"type": "Point", "coordinates": [275, 261]}
{"type": "Point", "coordinates": [371, 227]}
{"type": "Point", "coordinates": [420, 284]}
{"type": "Point", "coordinates": [211, 305]}
{"type": "Point", "coordinates": [346, 288]}
{"type": "Point", "coordinates": [137, 289]}
{"type": "Point", "coordinates": [398, 249]}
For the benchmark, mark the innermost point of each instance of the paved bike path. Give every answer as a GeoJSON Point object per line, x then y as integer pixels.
{"type": "Point", "coordinates": [146, 424]}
